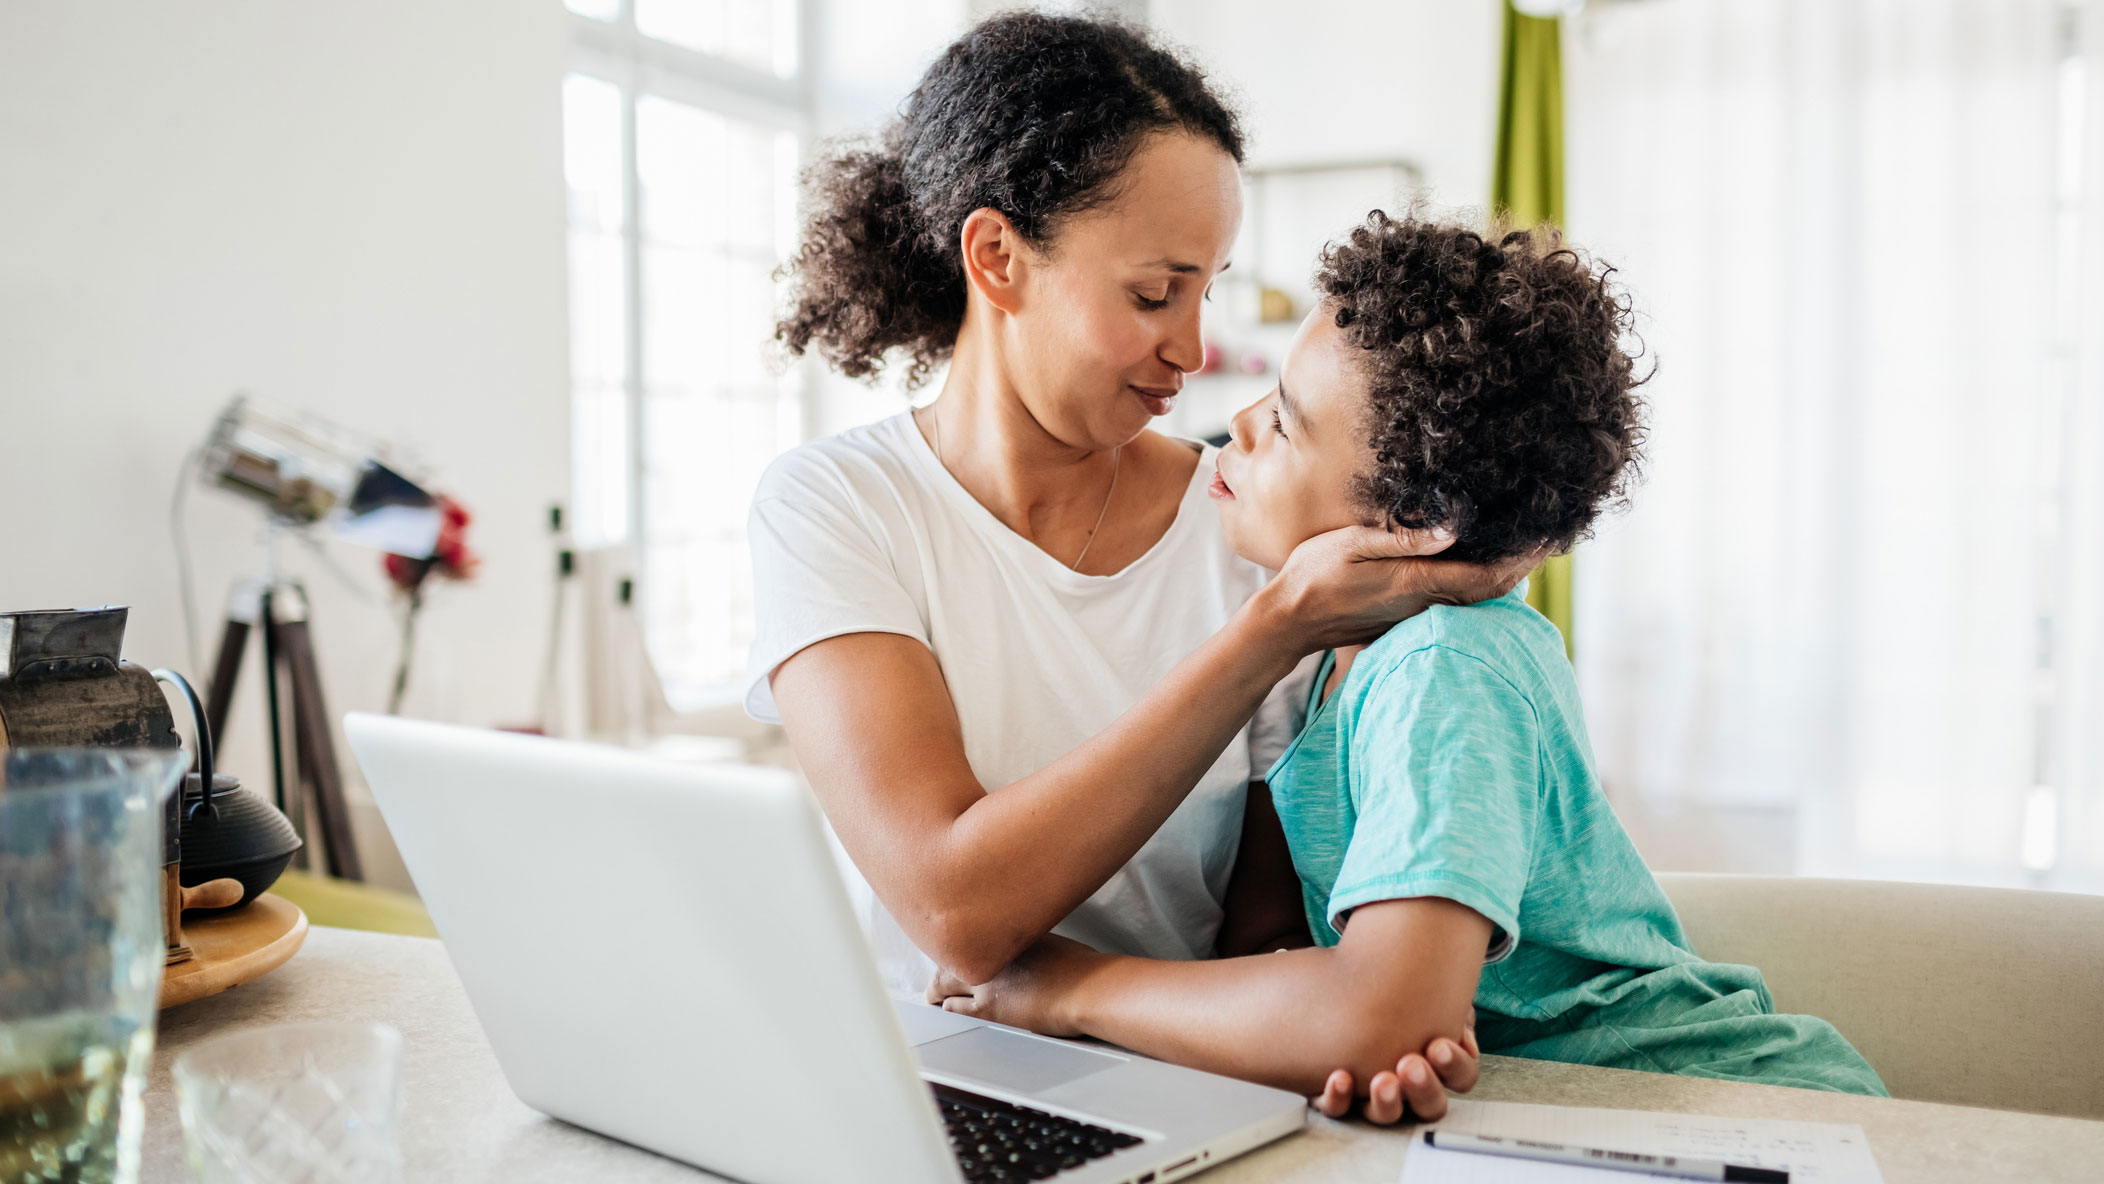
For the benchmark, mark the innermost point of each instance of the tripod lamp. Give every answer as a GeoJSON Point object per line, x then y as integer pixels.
{"type": "Point", "coordinates": [311, 476]}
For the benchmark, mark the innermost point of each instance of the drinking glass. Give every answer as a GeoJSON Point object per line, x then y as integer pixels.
{"type": "Point", "coordinates": [293, 1104]}
{"type": "Point", "coordinates": [81, 950]}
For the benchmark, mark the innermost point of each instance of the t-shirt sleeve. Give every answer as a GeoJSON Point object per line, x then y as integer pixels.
{"type": "Point", "coordinates": [819, 570]}
{"type": "Point", "coordinates": [1280, 717]}
{"type": "Point", "coordinates": [1446, 776]}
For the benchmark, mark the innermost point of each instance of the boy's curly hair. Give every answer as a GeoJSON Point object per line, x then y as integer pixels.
{"type": "Point", "coordinates": [1502, 371]}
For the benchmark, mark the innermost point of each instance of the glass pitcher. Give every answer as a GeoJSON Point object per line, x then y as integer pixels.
{"type": "Point", "coordinates": [81, 950]}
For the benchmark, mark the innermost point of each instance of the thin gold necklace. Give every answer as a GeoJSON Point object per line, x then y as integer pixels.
{"type": "Point", "coordinates": [1117, 460]}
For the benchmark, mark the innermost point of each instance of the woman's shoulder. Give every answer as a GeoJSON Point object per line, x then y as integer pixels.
{"type": "Point", "coordinates": [1174, 456]}
{"type": "Point", "coordinates": [1193, 539]}
{"type": "Point", "coordinates": [851, 464]}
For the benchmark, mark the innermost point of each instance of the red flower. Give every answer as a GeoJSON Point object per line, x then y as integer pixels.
{"type": "Point", "coordinates": [450, 558]}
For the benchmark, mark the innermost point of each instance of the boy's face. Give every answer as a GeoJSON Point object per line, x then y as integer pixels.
{"type": "Point", "coordinates": [1287, 475]}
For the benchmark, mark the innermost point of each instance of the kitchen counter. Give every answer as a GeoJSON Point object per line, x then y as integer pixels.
{"type": "Point", "coordinates": [460, 1122]}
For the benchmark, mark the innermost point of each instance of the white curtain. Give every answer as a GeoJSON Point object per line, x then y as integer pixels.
{"type": "Point", "coordinates": [1862, 578]}
{"type": "Point", "coordinates": [2077, 757]}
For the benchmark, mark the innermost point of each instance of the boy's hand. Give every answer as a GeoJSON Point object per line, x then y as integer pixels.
{"type": "Point", "coordinates": [1418, 1087]}
{"type": "Point", "coordinates": [1031, 993]}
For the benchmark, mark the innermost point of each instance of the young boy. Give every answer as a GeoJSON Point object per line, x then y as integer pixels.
{"type": "Point", "coordinates": [1449, 836]}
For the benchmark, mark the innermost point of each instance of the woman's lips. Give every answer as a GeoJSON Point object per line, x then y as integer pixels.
{"type": "Point", "coordinates": [1218, 489]}
{"type": "Point", "coordinates": [1159, 401]}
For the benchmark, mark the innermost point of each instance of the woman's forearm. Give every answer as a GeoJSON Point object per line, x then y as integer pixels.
{"type": "Point", "coordinates": [1021, 859]}
{"type": "Point", "coordinates": [975, 876]}
{"type": "Point", "coordinates": [1017, 877]}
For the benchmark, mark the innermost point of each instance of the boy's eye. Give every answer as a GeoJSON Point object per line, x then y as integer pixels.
{"type": "Point", "coordinates": [1277, 426]}
{"type": "Point", "coordinates": [1150, 304]}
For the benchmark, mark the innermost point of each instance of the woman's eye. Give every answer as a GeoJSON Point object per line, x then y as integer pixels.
{"type": "Point", "coordinates": [1152, 305]}
{"type": "Point", "coordinates": [1276, 426]}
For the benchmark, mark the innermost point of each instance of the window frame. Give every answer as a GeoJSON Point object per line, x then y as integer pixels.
{"type": "Point", "coordinates": [617, 52]}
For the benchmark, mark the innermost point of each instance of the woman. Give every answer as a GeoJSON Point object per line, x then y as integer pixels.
{"type": "Point", "coordinates": [1019, 587]}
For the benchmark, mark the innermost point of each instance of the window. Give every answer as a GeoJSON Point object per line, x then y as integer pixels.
{"type": "Point", "coordinates": [682, 122]}
{"type": "Point", "coordinates": [757, 33]}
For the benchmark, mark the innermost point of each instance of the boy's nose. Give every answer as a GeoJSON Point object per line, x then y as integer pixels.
{"type": "Point", "coordinates": [1238, 428]}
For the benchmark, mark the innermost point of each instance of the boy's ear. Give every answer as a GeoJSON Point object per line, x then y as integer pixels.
{"type": "Point", "coordinates": [994, 254]}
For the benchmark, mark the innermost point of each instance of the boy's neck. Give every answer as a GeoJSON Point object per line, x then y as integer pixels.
{"type": "Point", "coordinates": [1340, 665]}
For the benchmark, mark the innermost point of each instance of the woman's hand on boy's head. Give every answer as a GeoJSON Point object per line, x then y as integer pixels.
{"type": "Point", "coordinates": [1455, 582]}
{"type": "Point", "coordinates": [1418, 1086]}
{"type": "Point", "coordinates": [1445, 581]}
{"type": "Point", "coordinates": [1396, 542]}
{"type": "Point", "coordinates": [1031, 993]}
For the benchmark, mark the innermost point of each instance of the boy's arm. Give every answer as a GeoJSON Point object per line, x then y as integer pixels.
{"type": "Point", "coordinates": [1264, 913]}
{"type": "Point", "coordinates": [1262, 909]}
{"type": "Point", "coordinates": [1404, 974]}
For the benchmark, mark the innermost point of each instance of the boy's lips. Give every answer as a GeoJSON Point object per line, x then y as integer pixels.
{"type": "Point", "coordinates": [1219, 487]}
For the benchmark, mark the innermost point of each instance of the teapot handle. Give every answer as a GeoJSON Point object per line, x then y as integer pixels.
{"type": "Point", "coordinates": [204, 734]}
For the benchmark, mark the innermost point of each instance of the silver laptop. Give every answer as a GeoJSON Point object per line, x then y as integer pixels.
{"type": "Point", "coordinates": [665, 954]}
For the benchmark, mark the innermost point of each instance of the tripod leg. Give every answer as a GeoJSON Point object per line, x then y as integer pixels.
{"type": "Point", "coordinates": [317, 748]}
{"type": "Point", "coordinates": [219, 695]}
{"type": "Point", "coordinates": [266, 613]}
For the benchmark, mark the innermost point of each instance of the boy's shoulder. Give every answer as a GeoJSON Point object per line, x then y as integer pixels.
{"type": "Point", "coordinates": [1507, 635]}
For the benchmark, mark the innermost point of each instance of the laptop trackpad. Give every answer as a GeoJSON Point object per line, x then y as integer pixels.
{"type": "Point", "coordinates": [1024, 1064]}
{"type": "Point", "coordinates": [925, 1024]}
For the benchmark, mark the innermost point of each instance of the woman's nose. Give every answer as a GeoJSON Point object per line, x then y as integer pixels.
{"type": "Point", "coordinates": [1185, 346]}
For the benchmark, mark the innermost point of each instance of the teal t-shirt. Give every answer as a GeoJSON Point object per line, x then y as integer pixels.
{"type": "Point", "coordinates": [1452, 761]}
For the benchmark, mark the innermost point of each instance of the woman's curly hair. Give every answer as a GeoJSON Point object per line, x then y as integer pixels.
{"type": "Point", "coordinates": [1503, 381]}
{"type": "Point", "coordinates": [1029, 114]}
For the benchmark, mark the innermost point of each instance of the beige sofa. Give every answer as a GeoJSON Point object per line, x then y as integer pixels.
{"type": "Point", "coordinates": [1973, 996]}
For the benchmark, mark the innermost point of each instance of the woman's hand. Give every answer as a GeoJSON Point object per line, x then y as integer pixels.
{"type": "Point", "coordinates": [1030, 993]}
{"type": "Point", "coordinates": [1351, 585]}
{"type": "Point", "coordinates": [1418, 1087]}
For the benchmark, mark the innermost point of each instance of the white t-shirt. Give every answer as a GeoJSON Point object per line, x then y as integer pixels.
{"type": "Point", "coordinates": [866, 532]}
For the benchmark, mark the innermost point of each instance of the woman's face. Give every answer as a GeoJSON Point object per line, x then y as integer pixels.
{"type": "Point", "coordinates": [1108, 325]}
{"type": "Point", "coordinates": [1289, 472]}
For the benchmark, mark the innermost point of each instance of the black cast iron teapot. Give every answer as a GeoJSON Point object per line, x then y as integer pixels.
{"type": "Point", "coordinates": [228, 832]}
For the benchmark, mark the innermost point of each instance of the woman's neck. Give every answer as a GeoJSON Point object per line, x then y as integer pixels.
{"type": "Point", "coordinates": [1037, 484]}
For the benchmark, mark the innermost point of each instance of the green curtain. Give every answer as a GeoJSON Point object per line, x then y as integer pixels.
{"type": "Point", "coordinates": [1526, 186]}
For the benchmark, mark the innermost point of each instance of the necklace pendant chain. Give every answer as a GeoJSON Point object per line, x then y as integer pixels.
{"type": "Point", "coordinates": [1117, 461]}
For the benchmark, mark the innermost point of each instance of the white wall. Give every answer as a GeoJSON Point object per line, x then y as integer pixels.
{"type": "Point", "coordinates": [358, 210]}
{"type": "Point", "coordinates": [1328, 80]}
{"type": "Point", "coordinates": [355, 209]}
{"type": "Point", "coordinates": [1319, 81]}
{"type": "Point", "coordinates": [868, 56]}
{"type": "Point", "coordinates": [870, 53]}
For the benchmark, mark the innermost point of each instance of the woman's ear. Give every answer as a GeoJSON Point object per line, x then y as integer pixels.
{"type": "Point", "coordinates": [994, 258]}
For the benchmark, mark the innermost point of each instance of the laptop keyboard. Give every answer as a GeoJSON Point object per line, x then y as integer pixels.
{"type": "Point", "coordinates": [996, 1140]}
